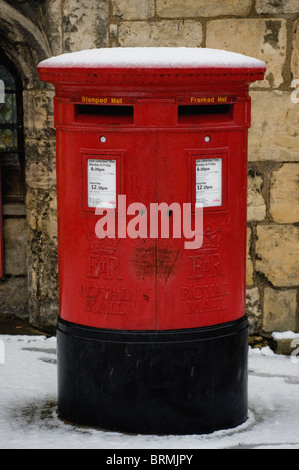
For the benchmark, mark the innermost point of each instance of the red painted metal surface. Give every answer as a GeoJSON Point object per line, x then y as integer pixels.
{"type": "Point", "coordinates": [150, 130]}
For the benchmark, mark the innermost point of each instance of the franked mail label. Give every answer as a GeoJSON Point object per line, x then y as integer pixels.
{"type": "Point", "coordinates": [101, 185]}
{"type": "Point", "coordinates": [208, 182]}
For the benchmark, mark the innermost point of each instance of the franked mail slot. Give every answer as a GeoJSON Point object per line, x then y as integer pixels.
{"type": "Point", "coordinates": [188, 114]}
{"type": "Point", "coordinates": [104, 114]}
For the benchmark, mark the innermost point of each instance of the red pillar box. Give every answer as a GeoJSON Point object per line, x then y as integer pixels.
{"type": "Point", "coordinates": [152, 332]}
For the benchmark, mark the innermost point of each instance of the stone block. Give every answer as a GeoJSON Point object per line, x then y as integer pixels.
{"type": "Point", "coordinates": [15, 246]}
{"type": "Point", "coordinates": [287, 343]}
{"type": "Point", "coordinates": [39, 176]}
{"type": "Point", "coordinates": [279, 310]}
{"type": "Point", "coordinates": [38, 114]}
{"type": "Point", "coordinates": [274, 127]}
{"type": "Point", "coordinates": [256, 207]}
{"type": "Point", "coordinates": [286, 347]}
{"type": "Point", "coordinates": [284, 194]}
{"type": "Point", "coordinates": [42, 258]}
{"type": "Point", "coordinates": [295, 54]}
{"type": "Point", "coordinates": [264, 39]}
{"type": "Point", "coordinates": [51, 19]}
{"type": "Point", "coordinates": [249, 265]}
{"type": "Point", "coordinates": [85, 24]}
{"type": "Point", "coordinates": [14, 296]}
{"type": "Point", "coordinates": [14, 208]}
{"type": "Point", "coordinates": [113, 30]}
{"type": "Point", "coordinates": [133, 9]}
{"type": "Point", "coordinates": [47, 221]}
{"type": "Point", "coordinates": [277, 254]}
{"type": "Point", "coordinates": [167, 33]}
{"type": "Point", "coordinates": [42, 219]}
{"type": "Point", "coordinates": [253, 310]}
{"type": "Point", "coordinates": [193, 8]}
{"type": "Point", "coordinates": [41, 164]}
{"type": "Point", "coordinates": [276, 7]}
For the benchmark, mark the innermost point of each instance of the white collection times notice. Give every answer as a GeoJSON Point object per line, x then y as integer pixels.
{"type": "Point", "coordinates": [208, 182]}
{"type": "Point", "coordinates": [101, 185]}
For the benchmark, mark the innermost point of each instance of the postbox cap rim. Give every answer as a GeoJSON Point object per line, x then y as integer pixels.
{"type": "Point", "coordinates": [153, 58]}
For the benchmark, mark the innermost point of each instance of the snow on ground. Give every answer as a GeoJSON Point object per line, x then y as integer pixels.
{"type": "Point", "coordinates": [28, 406]}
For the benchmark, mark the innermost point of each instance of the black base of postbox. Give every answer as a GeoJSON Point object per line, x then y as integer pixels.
{"type": "Point", "coordinates": [154, 382]}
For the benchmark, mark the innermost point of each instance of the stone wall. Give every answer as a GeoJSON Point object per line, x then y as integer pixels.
{"type": "Point", "coordinates": [265, 29]}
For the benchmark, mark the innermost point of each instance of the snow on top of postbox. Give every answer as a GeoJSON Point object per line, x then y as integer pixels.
{"type": "Point", "coordinates": [152, 57]}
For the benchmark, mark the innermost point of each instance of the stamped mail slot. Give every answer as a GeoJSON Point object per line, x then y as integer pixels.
{"type": "Point", "coordinates": [104, 114]}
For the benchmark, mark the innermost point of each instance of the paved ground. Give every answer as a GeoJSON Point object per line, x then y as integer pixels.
{"type": "Point", "coordinates": [29, 415]}
{"type": "Point", "coordinates": [28, 401]}
{"type": "Point", "coordinates": [10, 325]}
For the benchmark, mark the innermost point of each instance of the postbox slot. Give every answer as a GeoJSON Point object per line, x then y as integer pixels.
{"type": "Point", "coordinates": [188, 114]}
{"type": "Point", "coordinates": [104, 114]}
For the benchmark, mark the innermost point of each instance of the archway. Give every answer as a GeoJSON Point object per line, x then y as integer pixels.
{"type": "Point", "coordinates": [22, 45]}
